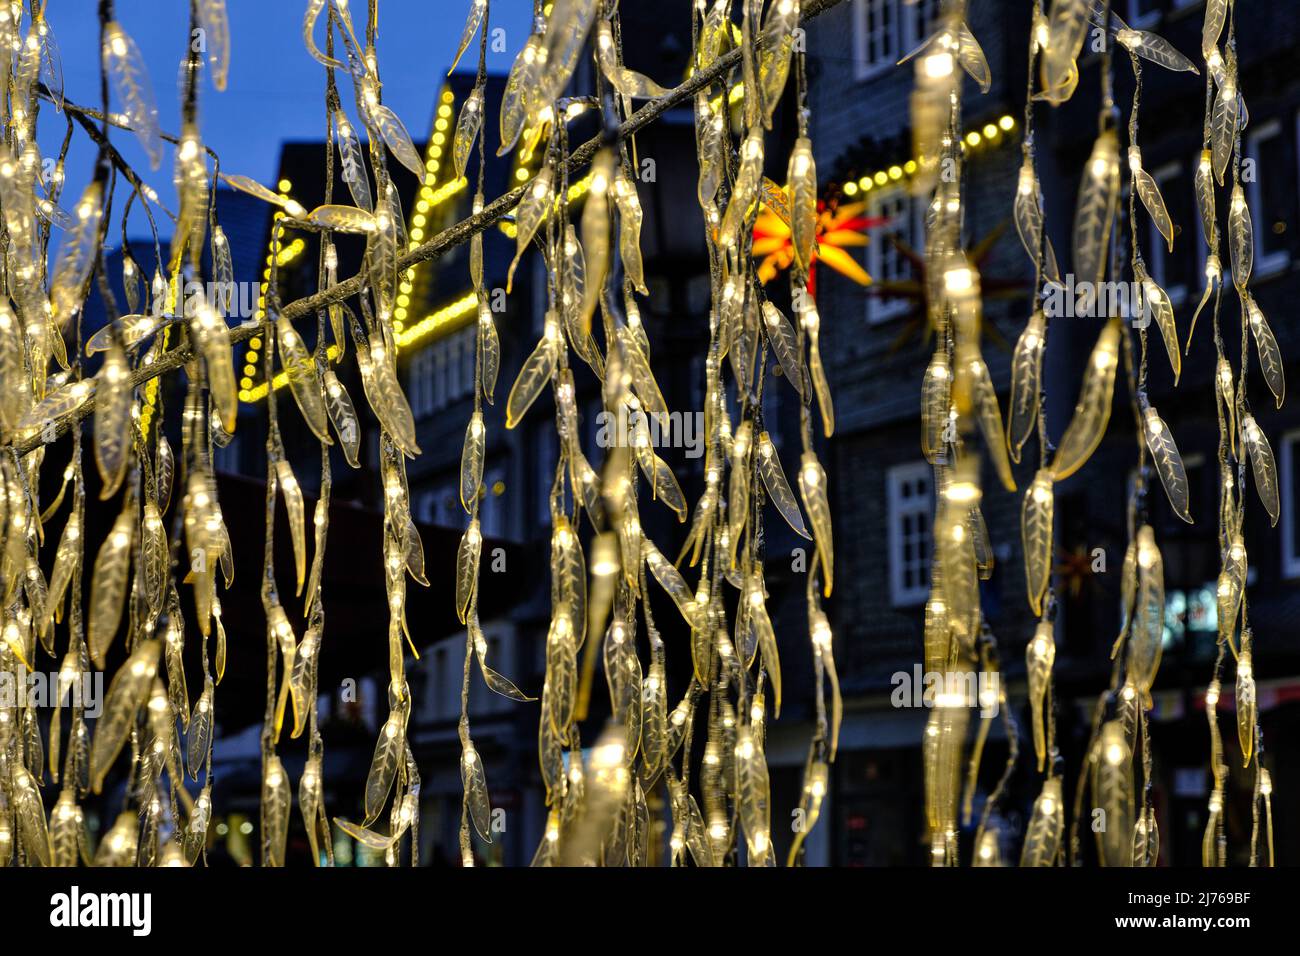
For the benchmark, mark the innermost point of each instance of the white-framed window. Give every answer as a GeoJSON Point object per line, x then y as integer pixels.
{"type": "Point", "coordinates": [885, 30]}
{"type": "Point", "coordinates": [876, 39]}
{"type": "Point", "coordinates": [1170, 270]}
{"type": "Point", "coordinates": [442, 372]}
{"type": "Point", "coordinates": [1272, 205]}
{"type": "Point", "coordinates": [492, 509]}
{"type": "Point", "coordinates": [444, 665]}
{"type": "Point", "coordinates": [910, 498]}
{"type": "Point", "coordinates": [420, 381]}
{"type": "Point", "coordinates": [1289, 480]}
{"type": "Point", "coordinates": [919, 21]}
{"type": "Point", "coordinates": [885, 261]}
{"type": "Point", "coordinates": [548, 455]}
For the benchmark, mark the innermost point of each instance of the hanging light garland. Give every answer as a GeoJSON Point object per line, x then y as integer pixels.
{"type": "Point", "coordinates": [705, 756]}
{"type": "Point", "coordinates": [170, 535]}
{"type": "Point", "coordinates": [958, 403]}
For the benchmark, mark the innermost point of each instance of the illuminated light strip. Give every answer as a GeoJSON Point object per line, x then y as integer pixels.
{"type": "Point", "coordinates": [250, 352]}
{"type": "Point", "coordinates": [988, 133]}
{"type": "Point", "coordinates": [576, 191]}
{"type": "Point", "coordinates": [151, 387]}
{"type": "Point", "coordinates": [447, 315]}
{"type": "Point", "coordinates": [427, 199]}
{"type": "Point", "coordinates": [258, 391]}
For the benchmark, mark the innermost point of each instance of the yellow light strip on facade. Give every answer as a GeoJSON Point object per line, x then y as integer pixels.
{"type": "Point", "coordinates": [447, 315]}
{"type": "Point", "coordinates": [427, 200]}
{"type": "Point", "coordinates": [576, 191]}
{"type": "Point", "coordinates": [458, 309]}
{"type": "Point", "coordinates": [990, 133]}
{"type": "Point", "coordinates": [258, 391]}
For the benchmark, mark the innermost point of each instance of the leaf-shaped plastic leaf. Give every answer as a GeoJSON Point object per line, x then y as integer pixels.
{"type": "Point", "coordinates": [343, 218]}
{"type": "Point", "coordinates": [1204, 188]}
{"type": "Point", "coordinates": [1092, 411]}
{"type": "Point", "coordinates": [212, 337]}
{"type": "Point", "coordinates": [1224, 117]}
{"type": "Point", "coordinates": [529, 215]}
{"type": "Point", "coordinates": [1040, 654]}
{"type": "Point", "coordinates": [671, 580]}
{"type": "Point", "coordinates": [126, 694]}
{"type": "Point", "coordinates": [293, 504]}
{"type": "Point", "coordinates": [972, 59]}
{"type": "Point", "coordinates": [1067, 26]}
{"type": "Point", "coordinates": [275, 811]}
{"type": "Point", "coordinates": [471, 463]}
{"type": "Point", "coordinates": [1169, 464]}
{"type": "Point", "coordinates": [341, 412]}
{"type": "Point", "coordinates": [476, 11]}
{"type": "Point", "coordinates": [936, 389]}
{"type": "Point", "coordinates": [778, 488]}
{"type": "Point", "coordinates": [112, 429]}
{"type": "Point", "coordinates": [216, 25]}
{"type": "Point", "coordinates": [108, 584]}
{"type": "Point", "coordinates": [199, 739]}
{"type": "Point", "coordinates": [385, 396]}
{"type": "Point", "coordinates": [76, 255]}
{"type": "Point", "coordinates": [1095, 214]}
{"type": "Point", "coordinates": [468, 127]}
{"type": "Point", "coordinates": [1149, 193]}
{"type": "Point", "coordinates": [627, 82]}
{"type": "Point", "coordinates": [785, 345]}
{"type": "Point", "coordinates": [985, 401]}
{"type": "Point", "coordinates": [1241, 238]}
{"type": "Point", "coordinates": [1046, 826]}
{"type": "Point", "coordinates": [1262, 464]}
{"type": "Point", "coordinates": [1156, 49]}
{"type": "Point", "coordinates": [1156, 304]}
{"type": "Point", "coordinates": [467, 559]}
{"type": "Point", "coordinates": [534, 376]}
{"type": "Point", "coordinates": [300, 368]}
{"type": "Point", "coordinates": [1026, 378]}
{"type": "Point", "coordinates": [476, 791]}
{"type": "Point", "coordinates": [752, 796]}
{"type": "Point", "coordinates": [629, 229]}
{"type": "Point", "coordinates": [1270, 356]}
{"type": "Point", "coordinates": [802, 177]}
{"type": "Point", "coordinates": [812, 485]}
{"type": "Point", "coordinates": [154, 557]}
{"type": "Point", "coordinates": [383, 766]}
{"type": "Point", "coordinates": [126, 67]}
{"type": "Point", "coordinates": [1036, 517]}
{"type": "Point", "coordinates": [352, 162]}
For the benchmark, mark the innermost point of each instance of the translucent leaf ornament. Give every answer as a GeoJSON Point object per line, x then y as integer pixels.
{"type": "Point", "coordinates": [1149, 193]}
{"type": "Point", "coordinates": [1270, 356]}
{"type": "Point", "coordinates": [1262, 465]}
{"type": "Point", "coordinates": [468, 127]}
{"type": "Point", "coordinates": [1098, 196]}
{"type": "Point", "coordinates": [1039, 657]}
{"type": "Point", "coordinates": [1092, 411]}
{"type": "Point", "coordinates": [1036, 517]}
{"type": "Point", "coordinates": [125, 65]}
{"type": "Point", "coordinates": [1168, 463]}
{"type": "Point", "coordinates": [112, 411]}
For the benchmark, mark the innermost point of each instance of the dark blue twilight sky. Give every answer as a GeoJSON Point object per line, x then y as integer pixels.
{"type": "Point", "coordinates": [275, 91]}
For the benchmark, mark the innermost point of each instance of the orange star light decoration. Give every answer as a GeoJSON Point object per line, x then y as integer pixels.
{"type": "Point", "coordinates": [839, 228]}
